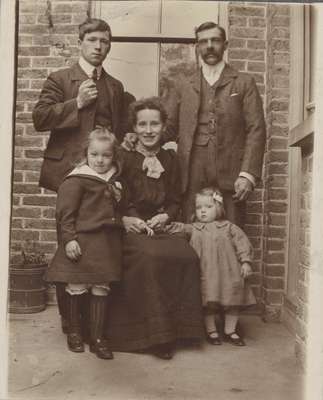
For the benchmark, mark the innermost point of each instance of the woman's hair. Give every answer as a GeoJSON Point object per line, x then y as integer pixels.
{"type": "Point", "coordinates": [93, 25]}
{"type": "Point", "coordinates": [103, 135]}
{"type": "Point", "coordinates": [149, 103]}
{"type": "Point", "coordinates": [216, 196]}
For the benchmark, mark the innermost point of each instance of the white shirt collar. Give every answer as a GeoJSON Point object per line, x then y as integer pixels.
{"type": "Point", "coordinates": [89, 68]}
{"type": "Point", "coordinates": [212, 72]}
{"type": "Point", "coordinates": [86, 170]}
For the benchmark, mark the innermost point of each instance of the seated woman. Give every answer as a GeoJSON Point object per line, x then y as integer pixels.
{"type": "Point", "coordinates": [159, 300]}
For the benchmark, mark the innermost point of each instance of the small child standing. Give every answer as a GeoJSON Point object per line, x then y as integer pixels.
{"type": "Point", "coordinates": [88, 257]}
{"type": "Point", "coordinates": [225, 258]}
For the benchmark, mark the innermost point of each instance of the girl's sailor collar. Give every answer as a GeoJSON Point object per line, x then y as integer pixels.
{"type": "Point", "coordinates": [85, 170]}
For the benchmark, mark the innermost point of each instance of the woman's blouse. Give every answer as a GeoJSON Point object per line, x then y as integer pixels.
{"type": "Point", "coordinates": [148, 196]}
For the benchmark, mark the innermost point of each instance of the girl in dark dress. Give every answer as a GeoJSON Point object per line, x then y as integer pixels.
{"type": "Point", "coordinates": [89, 238]}
{"type": "Point", "coordinates": [159, 300]}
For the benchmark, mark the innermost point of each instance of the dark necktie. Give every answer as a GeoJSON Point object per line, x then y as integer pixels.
{"type": "Point", "coordinates": [95, 75]}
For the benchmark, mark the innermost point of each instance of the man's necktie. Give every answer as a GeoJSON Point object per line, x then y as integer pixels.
{"type": "Point", "coordinates": [95, 75]}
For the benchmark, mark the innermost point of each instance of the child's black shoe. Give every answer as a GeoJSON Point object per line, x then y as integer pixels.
{"type": "Point", "coordinates": [101, 349]}
{"type": "Point", "coordinates": [213, 338]}
{"type": "Point", "coordinates": [236, 341]}
{"type": "Point", "coordinates": [75, 342]}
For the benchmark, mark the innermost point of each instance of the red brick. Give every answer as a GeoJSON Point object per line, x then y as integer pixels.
{"type": "Point", "coordinates": [256, 67]}
{"type": "Point", "coordinates": [32, 73]}
{"type": "Point", "coordinates": [255, 207]}
{"type": "Point", "coordinates": [278, 181]}
{"type": "Point", "coordinates": [279, 130]}
{"type": "Point", "coordinates": [248, 33]}
{"type": "Point", "coordinates": [280, 33]}
{"type": "Point", "coordinates": [256, 44]}
{"type": "Point", "coordinates": [48, 236]}
{"type": "Point", "coordinates": [275, 245]}
{"type": "Point", "coordinates": [280, 81]}
{"type": "Point", "coordinates": [39, 200]}
{"type": "Point", "coordinates": [48, 212]}
{"type": "Point", "coordinates": [277, 194]}
{"type": "Point", "coordinates": [26, 212]}
{"type": "Point", "coordinates": [253, 219]}
{"type": "Point", "coordinates": [279, 105]}
{"type": "Point", "coordinates": [33, 29]}
{"type": "Point", "coordinates": [278, 156]}
{"type": "Point", "coordinates": [20, 106]}
{"type": "Point", "coordinates": [16, 223]}
{"type": "Point", "coordinates": [273, 283]}
{"type": "Point", "coordinates": [253, 230]}
{"type": "Point", "coordinates": [277, 143]}
{"type": "Point", "coordinates": [247, 11]}
{"type": "Point", "coordinates": [275, 270]}
{"type": "Point", "coordinates": [280, 45]}
{"type": "Point", "coordinates": [27, 95]}
{"type": "Point", "coordinates": [47, 62]}
{"type": "Point", "coordinates": [33, 51]}
{"type": "Point", "coordinates": [22, 84]}
{"type": "Point", "coordinates": [17, 234]}
{"type": "Point", "coordinates": [276, 232]}
{"type": "Point", "coordinates": [274, 258]}
{"type": "Point", "coordinates": [78, 18]}
{"type": "Point", "coordinates": [25, 40]}
{"type": "Point", "coordinates": [237, 43]}
{"type": "Point", "coordinates": [28, 141]}
{"type": "Point", "coordinates": [26, 188]}
{"type": "Point", "coordinates": [65, 29]}
{"type": "Point", "coordinates": [56, 19]}
{"type": "Point", "coordinates": [244, 54]}
{"type": "Point", "coordinates": [238, 65]}
{"type": "Point", "coordinates": [29, 165]}
{"type": "Point", "coordinates": [273, 297]}
{"type": "Point", "coordinates": [18, 176]}
{"type": "Point", "coordinates": [257, 22]}
{"type": "Point", "coordinates": [32, 177]}
{"type": "Point", "coordinates": [34, 153]}
{"type": "Point", "coordinates": [277, 219]}
{"type": "Point", "coordinates": [47, 248]}
{"type": "Point", "coordinates": [24, 62]}
{"type": "Point", "coordinates": [281, 58]}
{"type": "Point", "coordinates": [237, 21]}
{"type": "Point", "coordinates": [280, 21]}
{"type": "Point", "coordinates": [40, 224]}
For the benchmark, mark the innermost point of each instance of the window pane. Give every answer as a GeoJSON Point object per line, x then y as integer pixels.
{"type": "Point", "coordinates": [179, 18]}
{"type": "Point", "coordinates": [136, 65]}
{"type": "Point", "coordinates": [132, 18]}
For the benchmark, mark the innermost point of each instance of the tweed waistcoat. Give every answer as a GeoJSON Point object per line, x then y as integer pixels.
{"type": "Point", "coordinates": [206, 128]}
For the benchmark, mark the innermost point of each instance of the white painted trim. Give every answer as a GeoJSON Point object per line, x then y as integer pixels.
{"type": "Point", "coordinates": [7, 71]}
{"type": "Point", "coordinates": [314, 383]}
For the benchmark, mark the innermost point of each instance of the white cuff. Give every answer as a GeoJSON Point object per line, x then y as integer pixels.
{"type": "Point", "coordinates": [248, 176]}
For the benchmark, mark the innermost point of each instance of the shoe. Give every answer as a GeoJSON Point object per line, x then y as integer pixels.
{"type": "Point", "coordinates": [212, 339]}
{"type": "Point", "coordinates": [101, 349]}
{"type": "Point", "coordinates": [238, 341]}
{"type": "Point", "coordinates": [75, 342]}
{"type": "Point", "coordinates": [164, 351]}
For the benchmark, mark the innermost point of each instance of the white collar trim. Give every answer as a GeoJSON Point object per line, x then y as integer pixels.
{"type": "Point", "coordinates": [89, 68]}
{"type": "Point", "coordinates": [86, 170]}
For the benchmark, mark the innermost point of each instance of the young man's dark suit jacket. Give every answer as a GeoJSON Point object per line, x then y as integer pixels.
{"type": "Point", "coordinates": [240, 134]}
{"type": "Point", "coordinates": [57, 111]}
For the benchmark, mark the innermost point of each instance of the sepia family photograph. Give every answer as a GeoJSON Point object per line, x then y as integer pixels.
{"type": "Point", "coordinates": [161, 206]}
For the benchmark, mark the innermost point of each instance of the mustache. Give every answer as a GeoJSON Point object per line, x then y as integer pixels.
{"type": "Point", "coordinates": [211, 52]}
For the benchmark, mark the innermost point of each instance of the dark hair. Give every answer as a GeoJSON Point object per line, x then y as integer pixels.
{"type": "Point", "coordinates": [93, 25]}
{"type": "Point", "coordinates": [211, 192]}
{"type": "Point", "coordinates": [150, 103]}
{"type": "Point", "coordinates": [103, 134]}
{"type": "Point", "coordinates": [210, 25]}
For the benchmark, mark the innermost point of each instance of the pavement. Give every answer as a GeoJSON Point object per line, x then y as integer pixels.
{"type": "Point", "coordinates": [41, 367]}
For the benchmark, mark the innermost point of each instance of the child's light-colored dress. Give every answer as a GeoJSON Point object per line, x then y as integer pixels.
{"type": "Point", "coordinates": [222, 247]}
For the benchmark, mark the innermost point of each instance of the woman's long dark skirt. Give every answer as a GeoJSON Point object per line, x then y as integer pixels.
{"type": "Point", "coordinates": [159, 298]}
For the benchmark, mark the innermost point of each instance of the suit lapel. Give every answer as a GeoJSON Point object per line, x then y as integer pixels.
{"type": "Point", "coordinates": [227, 75]}
{"type": "Point", "coordinates": [113, 95]}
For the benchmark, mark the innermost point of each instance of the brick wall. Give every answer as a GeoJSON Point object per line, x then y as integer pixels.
{"type": "Point", "coordinates": [47, 40]}
{"type": "Point", "coordinates": [247, 53]}
{"type": "Point", "coordinates": [276, 160]}
{"type": "Point", "coordinates": [304, 257]}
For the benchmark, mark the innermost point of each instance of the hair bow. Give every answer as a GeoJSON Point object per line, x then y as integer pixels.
{"type": "Point", "coordinates": [217, 197]}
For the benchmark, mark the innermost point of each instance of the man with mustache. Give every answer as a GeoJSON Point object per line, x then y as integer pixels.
{"type": "Point", "coordinates": [72, 103]}
{"type": "Point", "coordinates": [217, 119]}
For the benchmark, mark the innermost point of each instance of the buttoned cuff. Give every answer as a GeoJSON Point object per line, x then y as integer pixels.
{"type": "Point", "coordinates": [248, 176]}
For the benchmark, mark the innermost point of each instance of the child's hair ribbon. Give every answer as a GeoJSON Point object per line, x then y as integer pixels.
{"type": "Point", "coordinates": [217, 197]}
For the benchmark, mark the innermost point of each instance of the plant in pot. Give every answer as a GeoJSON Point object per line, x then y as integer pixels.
{"type": "Point", "coordinates": [27, 289]}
